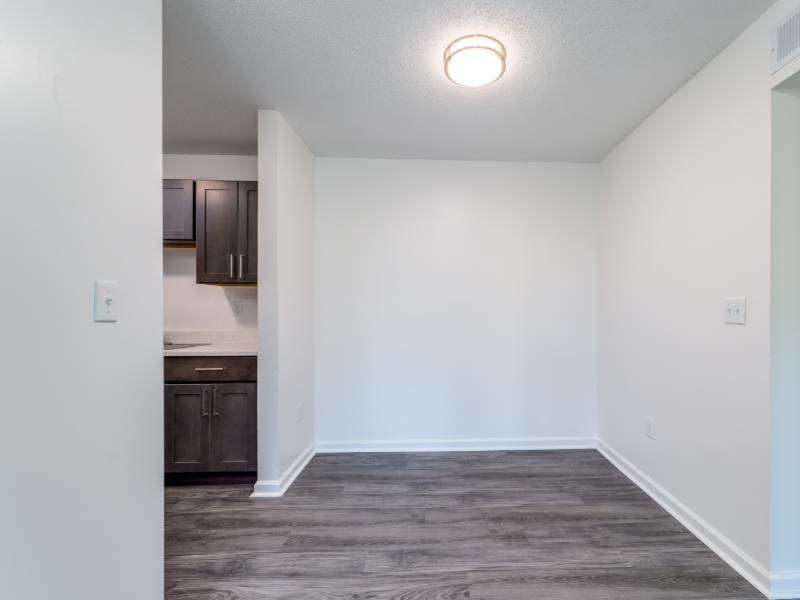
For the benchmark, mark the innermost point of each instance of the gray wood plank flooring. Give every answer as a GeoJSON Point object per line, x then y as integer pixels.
{"type": "Point", "coordinates": [554, 525]}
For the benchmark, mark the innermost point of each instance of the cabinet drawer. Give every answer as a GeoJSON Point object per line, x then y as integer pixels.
{"type": "Point", "coordinates": [209, 368]}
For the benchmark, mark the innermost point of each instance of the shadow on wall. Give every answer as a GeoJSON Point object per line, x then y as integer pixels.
{"type": "Point", "coordinates": [243, 302]}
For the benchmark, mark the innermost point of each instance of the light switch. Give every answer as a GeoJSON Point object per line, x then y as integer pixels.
{"type": "Point", "coordinates": [106, 301]}
{"type": "Point", "coordinates": [735, 311]}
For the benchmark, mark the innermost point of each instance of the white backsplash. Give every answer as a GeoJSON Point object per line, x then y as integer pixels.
{"type": "Point", "coordinates": [189, 306]}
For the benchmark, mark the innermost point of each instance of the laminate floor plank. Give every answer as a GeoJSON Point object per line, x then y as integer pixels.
{"type": "Point", "coordinates": [550, 525]}
{"type": "Point", "coordinates": [685, 582]}
{"type": "Point", "coordinates": [391, 588]}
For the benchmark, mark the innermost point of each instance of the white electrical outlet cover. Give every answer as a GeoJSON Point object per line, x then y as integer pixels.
{"type": "Point", "coordinates": [106, 301]}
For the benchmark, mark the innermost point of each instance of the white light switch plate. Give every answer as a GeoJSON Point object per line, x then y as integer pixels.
{"type": "Point", "coordinates": [106, 301]}
{"type": "Point", "coordinates": [735, 311]}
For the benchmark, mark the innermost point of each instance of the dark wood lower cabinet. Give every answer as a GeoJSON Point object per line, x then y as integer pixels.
{"type": "Point", "coordinates": [233, 427]}
{"type": "Point", "coordinates": [186, 428]}
{"type": "Point", "coordinates": [209, 369]}
{"type": "Point", "coordinates": [209, 428]}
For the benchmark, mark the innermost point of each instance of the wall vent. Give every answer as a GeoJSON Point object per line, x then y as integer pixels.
{"type": "Point", "coordinates": [786, 43]}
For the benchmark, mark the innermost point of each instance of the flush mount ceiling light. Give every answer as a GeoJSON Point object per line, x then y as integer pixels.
{"type": "Point", "coordinates": [475, 60]}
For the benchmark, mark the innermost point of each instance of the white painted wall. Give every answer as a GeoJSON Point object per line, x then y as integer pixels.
{"type": "Point", "coordinates": [187, 304]}
{"type": "Point", "coordinates": [685, 222]}
{"type": "Point", "coordinates": [456, 303]}
{"type": "Point", "coordinates": [81, 497]}
{"type": "Point", "coordinates": [785, 340]}
{"type": "Point", "coordinates": [286, 300]}
{"type": "Point", "coordinates": [225, 167]}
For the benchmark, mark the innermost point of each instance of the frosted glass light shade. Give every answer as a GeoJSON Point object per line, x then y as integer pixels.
{"type": "Point", "coordinates": [475, 60]}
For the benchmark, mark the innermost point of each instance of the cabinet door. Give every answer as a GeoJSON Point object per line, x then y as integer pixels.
{"type": "Point", "coordinates": [186, 428]}
{"type": "Point", "coordinates": [233, 427]}
{"type": "Point", "coordinates": [178, 210]}
{"type": "Point", "coordinates": [247, 269]}
{"type": "Point", "coordinates": [217, 206]}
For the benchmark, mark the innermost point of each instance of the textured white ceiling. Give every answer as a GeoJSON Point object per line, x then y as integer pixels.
{"type": "Point", "coordinates": [365, 77]}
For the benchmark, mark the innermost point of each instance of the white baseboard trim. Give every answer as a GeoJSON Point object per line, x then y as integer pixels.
{"type": "Point", "coordinates": [737, 558]}
{"type": "Point", "coordinates": [785, 585]}
{"type": "Point", "coordinates": [457, 445]}
{"type": "Point", "coordinates": [275, 488]}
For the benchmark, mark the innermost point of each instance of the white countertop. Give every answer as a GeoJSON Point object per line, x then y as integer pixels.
{"type": "Point", "coordinates": [214, 343]}
{"type": "Point", "coordinates": [217, 349]}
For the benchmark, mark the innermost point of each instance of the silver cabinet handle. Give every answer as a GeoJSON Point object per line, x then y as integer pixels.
{"type": "Point", "coordinates": [204, 411]}
{"type": "Point", "coordinates": [214, 410]}
{"type": "Point", "coordinates": [210, 368]}
{"type": "Point", "coordinates": [241, 270]}
{"type": "Point", "coordinates": [231, 265]}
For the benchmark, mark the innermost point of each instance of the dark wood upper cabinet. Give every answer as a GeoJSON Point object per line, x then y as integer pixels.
{"type": "Point", "coordinates": [226, 224]}
{"type": "Point", "coordinates": [217, 206]}
{"type": "Point", "coordinates": [248, 231]}
{"type": "Point", "coordinates": [178, 210]}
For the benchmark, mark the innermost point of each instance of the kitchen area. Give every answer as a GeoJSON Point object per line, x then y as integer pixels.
{"type": "Point", "coordinates": [210, 242]}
